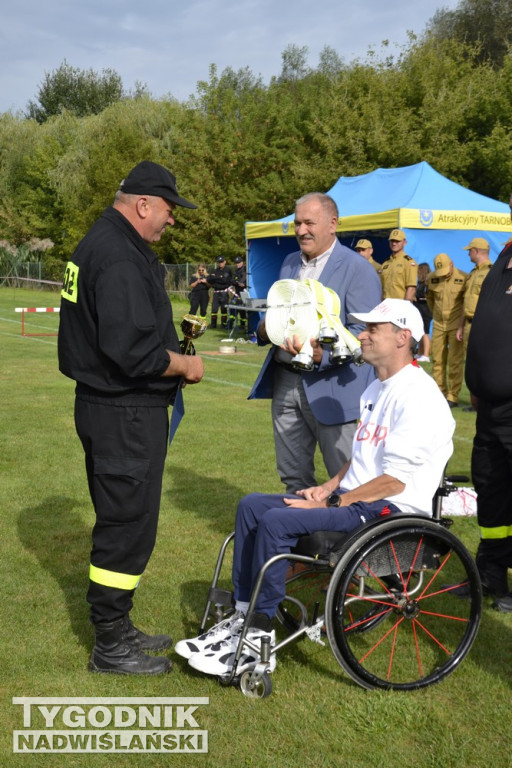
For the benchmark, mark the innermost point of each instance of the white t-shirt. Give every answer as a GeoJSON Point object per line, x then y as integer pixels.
{"type": "Point", "coordinates": [405, 431]}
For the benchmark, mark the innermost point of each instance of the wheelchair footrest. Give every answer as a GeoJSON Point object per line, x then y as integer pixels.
{"type": "Point", "coordinates": [220, 596]}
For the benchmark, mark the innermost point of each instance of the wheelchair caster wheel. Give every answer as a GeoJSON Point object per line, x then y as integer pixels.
{"type": "Point", "coordinates": [255, 686]}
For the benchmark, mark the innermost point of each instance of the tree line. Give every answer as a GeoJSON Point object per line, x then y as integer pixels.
{"type": "Point", "coordinates": [245, 150]}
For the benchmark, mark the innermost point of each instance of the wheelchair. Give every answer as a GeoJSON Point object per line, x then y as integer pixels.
{"type": "Point", "coordinates": [386, 596]}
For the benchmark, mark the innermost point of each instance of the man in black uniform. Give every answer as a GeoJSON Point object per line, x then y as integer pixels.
{"type": "Point", "coordinates": [489, 379]}
{"type": "Point", "coordinates": [118, 342]}
{"type": "Point", "coordinates": [238, 285]}
{"type": "Point", "coordinates": [220, 280]}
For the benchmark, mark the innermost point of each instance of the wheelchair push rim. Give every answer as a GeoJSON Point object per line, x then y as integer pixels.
{"type": "Point", "coordinates": [393, 617]}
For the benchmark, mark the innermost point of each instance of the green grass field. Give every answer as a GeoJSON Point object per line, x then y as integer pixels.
{"type": "Point", "coordinates": [316, 716]}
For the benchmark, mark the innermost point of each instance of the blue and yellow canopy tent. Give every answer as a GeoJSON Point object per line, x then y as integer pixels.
{"type": "Point", "coordinates": [436, 214]}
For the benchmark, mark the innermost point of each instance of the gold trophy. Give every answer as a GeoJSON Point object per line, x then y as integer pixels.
{"type": "Point", "coordinates": [193, 327]}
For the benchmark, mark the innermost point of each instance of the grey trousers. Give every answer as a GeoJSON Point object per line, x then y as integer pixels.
{"type": "Point", "coordinates": [297, 433]}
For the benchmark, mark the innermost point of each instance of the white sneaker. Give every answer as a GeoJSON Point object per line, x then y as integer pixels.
{"type": "Point", "coordinates": [219, 660]}
{"type": "Point", "coordinates": [230, 627]}
{"type": "Point", "coordinates": [423, 359]}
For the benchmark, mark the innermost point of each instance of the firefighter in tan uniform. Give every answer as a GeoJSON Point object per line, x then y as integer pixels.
{"type": "Point", "coordinates": [365, 248]}
{"type": "Point", "coordinates": [479, 255]}
{"type": "Point", "coordinates": [399, 273]}
{"type": "Point", "coordinates": [445, 297]}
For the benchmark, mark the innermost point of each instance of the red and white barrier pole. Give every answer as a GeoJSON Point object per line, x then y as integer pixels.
{"type": "Point", "coordinates": [34, 309]}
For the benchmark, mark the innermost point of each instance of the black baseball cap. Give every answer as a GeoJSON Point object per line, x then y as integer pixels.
{"type": "Point", "coordinates": [149, 178]}
{"type": "Point", "coordinates": [221, 258]}
{"type": "Point", "coordinates": [238, 260]}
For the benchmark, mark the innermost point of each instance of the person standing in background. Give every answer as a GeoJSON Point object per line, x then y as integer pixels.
{"type": "Point", "coordinates": [220, 280]}
{"type": "Point", "coordinates": [399, 274]}
{"type": "Point", "coordinates": [199, 291]}
{"type": "Point", "coordinates": [365, 248]}
{"type": "Point", "coordinates": [420, 302]}
{"type": "Point", "coordinates": [445, 296]}
{"type": "Point", "coordinates": [479, 254]}
{"type": "Point", "coordinates": [238, 317]}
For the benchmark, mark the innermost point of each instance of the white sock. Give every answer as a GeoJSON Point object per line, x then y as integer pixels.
{"type": "Point", "coordinates": [241, 606]}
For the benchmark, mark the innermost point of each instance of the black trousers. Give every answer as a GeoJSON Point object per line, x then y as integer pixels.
{"type": "Point", "coordinates": [491, 467]}
{"type": "Point", "coordinates": [199, 300]}
{"type": "Point", "coordinates": [125, 449]}
{"type": "Point", "coordinates": [220, 301]}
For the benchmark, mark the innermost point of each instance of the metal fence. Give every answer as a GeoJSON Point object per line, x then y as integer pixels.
{"type": "Point", "coordinates": [177, 276]}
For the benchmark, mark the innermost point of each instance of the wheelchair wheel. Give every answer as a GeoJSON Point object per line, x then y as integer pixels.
{"type": "Point", "coordinates": [393, 617]}
{"type": "Point", "coordinates": [305, 587]}
{"type": "Point", "coordinates": [255, 688]}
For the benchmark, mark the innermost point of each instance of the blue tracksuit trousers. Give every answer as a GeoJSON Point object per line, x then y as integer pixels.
{"type": "Point", "coordinates": [265, 526]}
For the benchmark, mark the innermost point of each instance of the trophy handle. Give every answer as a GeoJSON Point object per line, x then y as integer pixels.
{"type": "Point", "coordinates": [187, 347]}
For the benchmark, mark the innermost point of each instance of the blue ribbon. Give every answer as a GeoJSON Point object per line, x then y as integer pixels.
{"type": "Point", "coordinates": [178, 411]}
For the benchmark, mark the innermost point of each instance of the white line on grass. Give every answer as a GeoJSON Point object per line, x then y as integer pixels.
{"type": "Point", "coordinates": [10, 320]}
{"type": "Point", "coordinates": [226, 383]}
{"type": "Point", "coordinates": [232, 362]}
{"type": "Point", "coordinates": [29, 338]}
{"type": "Point", "coordinates": [54, 343]}
{"type": "Point", "coordinates": [33, 325]}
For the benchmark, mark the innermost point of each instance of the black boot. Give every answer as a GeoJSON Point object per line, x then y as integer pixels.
{"type": "Point", "coordinates": [504, 604]}
{"type": "Point", "coordinates": [213, 323]}
{"type": "Point", "coordinates": [115, 654]}
{"type": "Point", "coordinates": [145, 642]}
{"type": "Point", "coordinates": [492, 575]}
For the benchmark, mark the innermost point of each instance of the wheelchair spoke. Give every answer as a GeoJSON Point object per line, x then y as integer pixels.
{"type": "Point", "coordinates": [411, 567]}
{"type": "Point", "coordinates": [444, 616]}
{"type": "Point", "coordinates": [435, 575]}
{"type": "Point", "coordinates": [384, 637]}
{"type": "Point", "coordinates": [369, 572]}
{"type": "Point", "coordinates": [417, 647]}
{"type": "Point", "coordinates": [359, 624]}
{"type": "Point", "coordinates": [392, 654]}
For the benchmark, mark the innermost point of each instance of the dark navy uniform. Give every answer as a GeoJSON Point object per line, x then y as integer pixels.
{"type": "Point", "coordinates": [220, 280]}
{"type": "Point", "coordinates": [238, 317]}
{"type": "Point", "coordinates": [116, 323]}
{"type": "Point", "coordinates": [199, 293]}
{"type": "Point", "coordinates": [489, 378]}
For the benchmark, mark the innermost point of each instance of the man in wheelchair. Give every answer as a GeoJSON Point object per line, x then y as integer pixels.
{"type": "Point", "coordinates": [401, 446]}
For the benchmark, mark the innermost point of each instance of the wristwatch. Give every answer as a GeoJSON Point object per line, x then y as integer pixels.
{"type": "Point", "coordinates": [334, 500]}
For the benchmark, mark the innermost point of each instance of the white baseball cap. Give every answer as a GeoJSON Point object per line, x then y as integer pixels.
{"type": "Point", "coordinates": [397, 311]}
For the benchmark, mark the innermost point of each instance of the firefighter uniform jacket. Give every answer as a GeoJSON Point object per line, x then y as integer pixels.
{"type": "Point", "coordinates": [398, 273]}
{"type": "Point", "coordinates": [221, 278]}
{"type": "Point", "coordinates": [116, 320]}
{"type": "Point", "coordinates": [445, 296]}
{"type": "Point", "coordinates": [239, 282]}
{"type": "Point", "coordinates": [473, 287]}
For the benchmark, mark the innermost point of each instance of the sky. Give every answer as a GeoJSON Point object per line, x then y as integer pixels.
{"type": "Point", "coordinates": [169, 45]}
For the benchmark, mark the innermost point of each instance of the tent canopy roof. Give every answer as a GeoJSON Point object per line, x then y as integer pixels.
{"type": "Point", "coordinates": [416, 197]}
